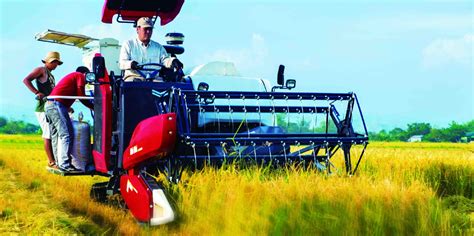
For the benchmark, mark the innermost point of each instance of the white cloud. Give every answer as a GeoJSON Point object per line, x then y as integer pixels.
{"type": "Point", "coordinates": [449, 50]}
{"type": "Point", "coordinates": [253, 56]}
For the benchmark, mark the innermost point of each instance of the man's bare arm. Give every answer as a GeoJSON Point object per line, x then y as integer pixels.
{"type": "Point", "coordinates": [37, 72]}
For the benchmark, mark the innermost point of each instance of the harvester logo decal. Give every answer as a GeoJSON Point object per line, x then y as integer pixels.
{"type": "Point", "coordinates": [130, 187]}
{"type": "Point", "coordinates": [135, 149]}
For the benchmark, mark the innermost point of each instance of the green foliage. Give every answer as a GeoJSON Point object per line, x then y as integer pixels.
{"type": "Point", "coordinates": [3, 121]}
{"type": "Point", "coordinates": [470, 126]}
{"type": "Point", "coordinates": [17, 127]}
{"type": "Point", "coordinates": [460, 207]}
{"type": "Point", "coordinates": [454, 133]}
{"type": "Point", "coordinates": [450, 180]}
{"type": "Point", "coordinates": [459, 203]}
{"type": "Point", "coordinates": [380, 136]}
{"type": "Point", "coordinates": [299, 124]}
{"type": "Point", "coordinates": [34, 184]}
{"type": "Point", "coordinates": [398, 134]}
{"type": "Point", "coordinates": [418, 129]}
{"type": "Point", "coordinates": [436, 135]}
{"type": "Point", "coordinates": [7, 212]}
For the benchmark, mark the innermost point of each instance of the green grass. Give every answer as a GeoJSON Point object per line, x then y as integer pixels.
{"type": "Point", "coordinates": [27, 208]}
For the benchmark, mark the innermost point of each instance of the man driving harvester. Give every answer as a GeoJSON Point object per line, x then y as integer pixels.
{"type": "Point", "coordinates": [143, 50]}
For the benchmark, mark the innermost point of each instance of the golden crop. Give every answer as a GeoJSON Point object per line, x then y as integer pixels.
{"type": "Point", "coordinates": [400, 188]}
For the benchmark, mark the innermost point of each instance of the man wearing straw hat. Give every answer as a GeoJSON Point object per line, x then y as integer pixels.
{"type": "Point", "coordinates": [142, 49]}
{"type": "Point", "coordinates": [56, 110]}
{"type": "Point", "coordinates": [44, 85]}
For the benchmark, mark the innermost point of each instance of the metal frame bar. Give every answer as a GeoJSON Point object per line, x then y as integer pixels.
{"type": "Point", "coordinates": [268, 95]}
{"type": "Point", "coordinates": [192, 143]}
{"type": "Point", "coordinates": [189, 104]}
{"type": "Point", "coordinates": [256, 109]}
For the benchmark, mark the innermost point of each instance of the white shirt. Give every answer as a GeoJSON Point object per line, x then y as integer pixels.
{"type": "Point", "coordinates": [135, 50]}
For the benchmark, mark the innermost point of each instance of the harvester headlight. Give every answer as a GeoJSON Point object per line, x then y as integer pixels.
{"type": "Point", "coordinates": [90, 77]}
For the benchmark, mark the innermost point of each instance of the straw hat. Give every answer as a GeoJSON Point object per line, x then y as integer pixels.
{"type": "Point", "coordinates": [52, 56]}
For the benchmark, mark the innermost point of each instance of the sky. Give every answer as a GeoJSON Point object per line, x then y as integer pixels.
{"type": "Point", "coordinates": [407, 61]}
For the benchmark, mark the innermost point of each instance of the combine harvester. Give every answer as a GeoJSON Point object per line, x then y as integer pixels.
{"type": "Point", "coordinates": [191, 121]}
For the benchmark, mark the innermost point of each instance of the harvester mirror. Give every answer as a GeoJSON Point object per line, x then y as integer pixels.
{"type": "Point", "coordinates": [281, 75]}
{"type": "Point", "coordinates": [98, 66]}
{"type": "Point", "coordinates": [90, 77]}
{"type": "Point", "coordinates": [290, 84]}
{"type": "Point", "coordinates": [203, 86]}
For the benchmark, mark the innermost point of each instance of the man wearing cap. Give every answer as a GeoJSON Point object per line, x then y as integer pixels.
{"type": "Point", "coordinates": [44, 85]}
{"type": "Point", "coordinates": [57, 109]}
{"type": "Point", "coordinates": [143, 50]}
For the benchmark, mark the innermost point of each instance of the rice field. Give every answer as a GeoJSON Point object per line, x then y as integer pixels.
{"type": "Point", "coordinates": [400, 188]}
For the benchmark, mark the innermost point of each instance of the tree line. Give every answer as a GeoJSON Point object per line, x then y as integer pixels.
{"type": "Point", "coordinates": [455, 132]}
{"type": "Point", "coordinates": [17, 127]}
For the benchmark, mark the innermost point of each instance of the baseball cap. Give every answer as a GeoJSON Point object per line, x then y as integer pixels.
{"type": "Point", "coordinates": [145, 22]}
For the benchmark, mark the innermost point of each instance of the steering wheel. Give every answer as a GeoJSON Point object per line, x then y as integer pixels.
{"type": "Point", "coordinates": [155, 68]}
{"type": "Point", "coordinates": [168, 75]}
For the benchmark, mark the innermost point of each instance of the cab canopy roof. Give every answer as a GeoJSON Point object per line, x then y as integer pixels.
{"type": "Point", "coordinates": [129, 11]}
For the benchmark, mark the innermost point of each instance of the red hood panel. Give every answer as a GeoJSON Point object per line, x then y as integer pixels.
{"type": "Point", "coordinates": [153, 137]}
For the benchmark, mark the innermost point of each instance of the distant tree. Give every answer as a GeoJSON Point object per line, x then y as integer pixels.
{"type": "Point", "coordinates": [418, 129]}
{"type": "Point", "coordinates": [436, 135]}
{"type": "Point", "coordinates": [398, 134]}
{"type": "Point", "coordinates": [290, 127]}
{"type": "Point", "coordinates": [380, 136]}
{"type": "Point", "coordinates": [3, 121]}
{"type": "Point", "coordinates": [11, 128]}
{"type": "Point", "coordinates": [469, 126]}
{"type": "Point", "coordinates": [30, 128]}
{"type": "Point", "coordinates": [454, 132]}
{"type": "Point", "coordinates": [18, 127]}
{"type": "Point", "coordinates": [321, 128]}
{"type": "Point", "coordinates": [297, 125]}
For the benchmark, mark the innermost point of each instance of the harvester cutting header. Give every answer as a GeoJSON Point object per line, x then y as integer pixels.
{"type": "Point", "coordinates": [194, 120]}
